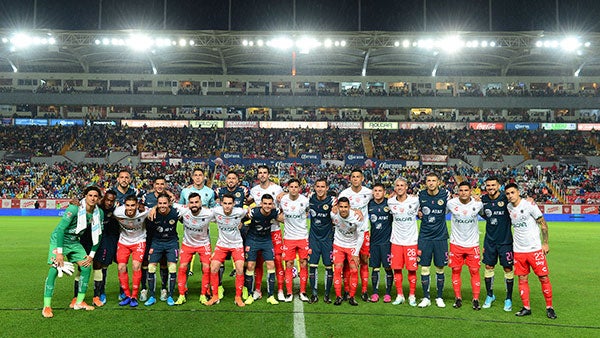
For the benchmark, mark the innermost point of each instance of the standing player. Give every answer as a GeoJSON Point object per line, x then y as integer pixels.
{"type": "Point", "coordinates": [107, 249]}
{"type": "Point", "coordinates": [206, 194]}
{"type": "Point", "coordinates": [464, 242]}
{"type": "Point", "coordinates": [259, 240]}
{"type": "Point", "coordinates": [359, 197]}
{"type": "Point", "coordinates": [228, 220]}
{"type": "Point", "coordinates": [347, 242]}
{"type": "Point", "coordinates": [64, 243]}
{"type": "Point", "coordinates": [498, 242]}
{"type": "Point", "coordinates": [433, 236]}
{"type": "Point", "coordinates": [132, 242]}
{"type": "Point", "coordinates": [123, 187]}
{"type": "Point", "coordinates": [530, 252]}
{"type": "Point", "coordinates": [265, 186]}
{"type": "Point", "coordinates": [404, 239]}
{"type": "Point", "coordinates": [380, 248]}
{"type": "Point", "coordinates": [320, 238]}
{"type": "Point", "coordinates": [196, 222]}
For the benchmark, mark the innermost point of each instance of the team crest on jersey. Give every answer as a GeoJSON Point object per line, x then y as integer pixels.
{"type": "Point", "coordinates": [326, 207]}
{"type": "Point", "coordinates": [172, 222]}
{"type": "Point", "coordinates": [238, 195]}
{"type": "Point", "coordinates": [501, 204]}
{"type": "Point", "coordinates": [386, 209]}
{"type": "Point", "coordinates": [109, 214]}
{"type": "Point", "coordinates": [68, 214]}
{"type": "Point", "coordinates": [440, 202]}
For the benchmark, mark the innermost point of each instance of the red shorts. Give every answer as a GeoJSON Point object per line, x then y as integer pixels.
{"type": "Point", "coordinates": [220, 254]}
{"type": "Point", "coordinates": [459, 256]}
{"type": "Point", "coordinates": [341, 254]}
{"type": "Point", "coordinates": [135, 250]}
{"type": "Point", "coordinates": [187, 252]}
{"type": "Point", "coordinates": [293, 246]}
{"type": "Point", "coordinates": [404, 256]}
{"type": "Point", "coordinates": [536, 260]}
{"type": "Point", "coordinates": [277, 242]}
{"type": "Point", "coordinates": [366, 247]}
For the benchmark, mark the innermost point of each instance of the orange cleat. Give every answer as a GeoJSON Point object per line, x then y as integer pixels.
{"type": "Point", "coordinates": [239, 302]}
{"type": "Point", "coordinates": [213, 300]}
{"type": "Point", "coordinates": [73, 301]}
{"type": "Point", "coordinates": [47, 312]}
{"type": "Point", "coordinates": [83, 306]}
{"type": "Point", "coordinates": [97, 302]}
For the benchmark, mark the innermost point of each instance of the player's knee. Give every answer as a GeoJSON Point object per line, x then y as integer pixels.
{"type": "Point", "coordinates": [425, 271]}
{"type": "Point", "coordinates": [172, 267]}
{"type": "Point", "coordinates": [509, 274]}
{"type": "Point", "coordinates": [439, 270]}
{"type": "Point", "coordinates": [489, 272]}
{"type": "Point", "coordinates": [474, 271]}
{"type": "Point", "coordinates": [152, 268]}
{"type": "Point", "coordinates": [544, 279]}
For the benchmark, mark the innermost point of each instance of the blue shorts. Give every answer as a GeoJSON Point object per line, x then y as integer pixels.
{"type": "Point", "coordinates": [320, 249]}
{"type": "Point", "coordinates": [380, 254]}
{"type": "Point", "coordinates": [492, 253]}
{"type": "Point", "coordinates": [437, 249]}
{"type": "Point", "coordinates": [107, 250]}
{"type": "Point", "coordinates": [254, 245]}
{"type": "Point", "coordinates": [159, 248]}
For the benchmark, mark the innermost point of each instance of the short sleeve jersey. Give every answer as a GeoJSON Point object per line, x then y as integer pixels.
{"type": "Point", "coordinates": [207, 195]}
{"type": "Point", "coordinates": [348, 231]}
{"type": "Point", "coordinates": [433, 223]}
{"type": "Point", "coordinates": [195, 228]}
{"type": "Point", "coordinates": [497, 220]}
{"type": "Point", "coordinates": [404, 224]}
{"type": "Point", "coordinates": [133, 230]}
{"type": "Point", "coordinates": [240, 193]}
{"type": "Point", "coordinates": [228, 225]}
{"type": "Point", "coordinates": [464, 221]}
{"type": "Point", "coordinates": [260, 225]}
{"type": "Point", "coordinates": [295, 214]}
{"type": "Point", "coordinates": [110, 224]}
{"type": "Point", "coordinates": [164, 227]}
{"type": "Point", "coordinates": [360, 201]}
{"type": "Point", "coordinates": [526, 230]}
{"type": "Point", "coordinates": [273, 189]}
{"type": "Point", "coordinates": [381, 222]}
{"type": "Point", "coordinates": [321, 228]}
{"type": "Point", "coordinates": [122, 196]}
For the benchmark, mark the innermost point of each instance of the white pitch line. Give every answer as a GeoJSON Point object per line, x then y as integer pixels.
{"type": "Point", "coordinates": [299, 325]}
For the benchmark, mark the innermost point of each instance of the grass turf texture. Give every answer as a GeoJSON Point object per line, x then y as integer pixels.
{"type": "Point", "coordinates": [23, 251]}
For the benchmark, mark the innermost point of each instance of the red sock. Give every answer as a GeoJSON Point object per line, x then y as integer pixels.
{"type": "Point", "coordinates": [346, 273]}
{"type": "Point", "coordinates": [353, 281]}
{"type": "Point", "coordinates": [456, 282]}
{"type": "Point", "coordinates": [547, 290]}
{"type": "Point", "coordinates": [398, 281]}
{"type": "Point", "coordinates": [137, 278]}
{"type": "Point", "coordinates": [524, 291]}
{"type": "Point", "coordinates": [206, 279]}
{"type": "Point", "coordinates": [303, 279]}
{"type": "Point", "coordinates": [475, 283]}
{"type": "Point", "coordinates": [279, 272]}
{"type": "Point", "coordinates": [289, 276]}
{"type": "Point", "coordinates": [124, 281]}
{"type": "Point", "coordinates": [337, 282]}
{"type": "Point", "coordinates": [412, 282]}
{"type": "Point", "coordinates": [182, 279]}
{"type": "Point", "coordinates": [239, 284]}
{"type": "Point", "coordinates": [214, 283]}
{"type": "Point", "coordinates": [364, 277]}
{"type": "Point", "coordinates": [258, 273]}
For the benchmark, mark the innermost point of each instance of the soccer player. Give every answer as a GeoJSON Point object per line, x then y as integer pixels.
{"type": "Point", "coordinates": [123, 187]}
{"type": "Point", "coordinates": [380, 248]}
{"type": "Point", "coordinates": [228, 220]}
{"type": "Point", "coordinates": [265, 186]}
{"type": "Point", "coordinates": [347, 242]}
{"type": "Point", "coordinates": [464, 242]}
{"type": "Point", "coordinates": [64, 243]}
{"type": "Point", "coordinates": [498, 242]}
{"type": "Point", "coordinates": [404, 239]}
{"type": "Point", "coordinates": [433, 236]}
{"type": "Point", "coordinates": [259, 240]}
{"type": "Point", "coordinates": [206, 194]}
{"type": "Point", "coordinates": [196, 222]}
{"type": "Point", "coordinates": [165, 241]}
{"type": "Point", "coordinates": [359, 197]}
{"type": "Point", "coordinates": [132, 242]}
{"type": "Point", "coordinates": [294, 214]}
{"type": "Point", "coordinates": [320, 238]}
{"type": "Point", "coordinates": [107, 249]}
{"type": "Point", "coordinates": [530, 252]}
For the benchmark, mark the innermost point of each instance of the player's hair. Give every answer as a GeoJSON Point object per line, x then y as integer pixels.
{"type": "Point", "coordinates": [163, 195]}
{"type": "Point", "coordinates": [159, 178]}
{"type": "Point", "coordinates": [356, 170]}
{"type": "Point", "coordinates": [131, 198]}
{"type": "Point", "coordinates": [262, 166]}
{"type": "Point", "coordinates": [464, 183]}
{"type": "Point", "coordinates": [493, 178]}
{"type": "Point", "coordinates": [433, 174]}
{"type": "Point", "coordinates": [124, 171]}
{"type": "Point", "coordinates": [110, 192]}
{"type": "Point", "coordinates": [228, 196]}
{"type": "Point", "coordinates": [379, 184]}
{"type": "Point", "coordinates": [401, 178]}
{"type": "Point", "coordinates": [321, 179]}
{"type": "Point", "coordinates": [233, 172]}
{"type": "Point", "coordinates": [266, 197]}
{"type": "Point", "coordinates": [92, 188]}
{"type": "Point", "coordinates": [343, 199]}
{"type": "Point", "coordinates": [294, 180]}
{"type": "Point", "coordinates": [511, 185]}
{"type": "Point", "coordinates": [198, 169]}
{"type": "Point", "coordinates": [194, 194]}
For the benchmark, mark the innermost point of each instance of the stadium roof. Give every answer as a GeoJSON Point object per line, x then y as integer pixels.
{"type": "Point", "coordinates": [323, 53]}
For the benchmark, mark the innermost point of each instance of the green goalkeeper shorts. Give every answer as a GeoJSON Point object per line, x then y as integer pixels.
{"type": "Point", "coordinates": [73, 252]}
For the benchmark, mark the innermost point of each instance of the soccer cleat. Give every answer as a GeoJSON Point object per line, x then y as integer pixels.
{"type": "Point", "coordinates": [83, 306]}
{"type": "Point", "coordinates": [457, 303]}
{"type": "Point", "coordinates": [352, 301]}
{"type": "Point", "coordinates": [163, 295]}
{"type": "Point", "coordinates": [213, 300]}
{"type": "Point", "coordinates": [249, 300]}
{"type": "Point", "coordinates": [488, 302]}
{"type": "Point", "coordinates": [203, 299]}
{"type": "Point", "coordinates": [313, 299]}
{"type": "Point", "coordinates": [73, 301]}
{"type": "Point", "coordinates": [97, 302]}
{"type": "Point", "coordinates": [221, 291]}
{"type": "Point", "coordinates": [304, 297]}
{"type": "Point", "coordinates": [151, 301]}
{"type": "Point", "coordinates": [239, 302]}
{"type": "Point", "coordinates": [338, 301]}
{"type": "Point", "coordinates": [280, 296]}
{"type": "Point", "coordinates": [412, 300]}
{"type": "Point", "coordinates": [425, 302]}
{"type": "Point", "coordinates": [523, 312]}
{"type": "Point", "coordinates": [180, 300]}
{"type": "Point", "coordinates": [125, 301]}
{"type": "Point", "coordinates": [47, 312]}
{"type": "Point", "coordinates": [346, 296]}
{"type": "Point", "coordinates": [170, 301]}
{"type": "Point", "coordinates": [289, 298]}
{"type": "Point", "coordinates": [326, 300]}
{"type": "Point", "coordinates": [399, 300]}
{"type": "Point", "coordinates": [271, 300]}
{"type": "Point", "coordinates": [103, 298]}
{"type": "Point", "coordinates": [232, 273]}
{"type": "Point", "coordinates": [190, 273]}
{"type": "Point", "coordinates": [440, 302]}
{"type": "Point", "coordinates": [476, 306]}
{"type": "Point", "coordinates": [550, 313]}
{"type": "Point", "coordinates": [143, 295]}
{"type": "Point", "coordinates": [374, 298]}
{"type": "Point", "coordinates": [365, 297]}
{"type": "Point", "coordinates": [387, 299]}
{"type": "Point", "coordinates": [257, 295]}
{"type": "Point", "coordinates": [244, 292]}
{"type": "Point", "coordinates": [122, 296]}
{"type": "Point", "coordinates": [133, 302]}
{"type": "Point", "coordinates": [508, 305]}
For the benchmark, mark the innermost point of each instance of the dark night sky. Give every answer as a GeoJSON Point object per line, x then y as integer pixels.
{"type": "Point", "coordinates": [332, 15]}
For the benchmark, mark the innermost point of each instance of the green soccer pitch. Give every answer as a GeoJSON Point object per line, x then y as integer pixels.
{"type": "Point", "coordinates": [23, 250]}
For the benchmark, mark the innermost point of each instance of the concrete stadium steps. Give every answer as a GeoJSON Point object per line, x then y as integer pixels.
{"type": "Point", "coordinates": [67, 146]}
{"type": "Point", "coordinates": [524, 151]}
{"type": "Point", "coordinates": [367, 143]}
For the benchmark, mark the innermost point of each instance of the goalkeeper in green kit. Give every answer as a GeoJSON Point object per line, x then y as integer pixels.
{"type": "Point", "coordinates": [65, 248]}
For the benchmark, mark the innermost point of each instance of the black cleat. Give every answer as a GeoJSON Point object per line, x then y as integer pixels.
{"type": "Point", "coordinates": [457, 303]}
{"type": "Point", "coordinates": [190, 273]}
{"type": "Point", "coordinates": [524, 312]}
{"type": "Point", "coordinates": [313, 299]}
{"type": "Point", "coordinates": [550, 313]}
{"type": "Point", "coordinates": [352, 301]}
{"type": "Point", "coordinates": [346, 296]}
{"type": "Point", "coordinates": [338, 301]}
{"type": "Point", "coordinates": [326, 300]}
{"type": "Point", "coordinates": [476, 305]}
{"type": "Point", "coordinates": [365, 297]}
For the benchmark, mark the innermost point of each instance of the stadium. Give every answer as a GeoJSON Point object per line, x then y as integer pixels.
{"type": "Point", "coordinates": [77, 106]}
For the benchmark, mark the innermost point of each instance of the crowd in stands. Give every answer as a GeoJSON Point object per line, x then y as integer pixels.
{"type": "Point", "coordinates": [36, 140]}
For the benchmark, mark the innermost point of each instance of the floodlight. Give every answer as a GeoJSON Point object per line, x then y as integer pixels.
{"type": "Point", "coordinates": [251, 43]}
{"type": "Point", "coordinates": [4, 40]}
{"type": "Point", "coordinates": [484, 44]}
{"type": "Point", "coordinates": [21, 40]}
{"type": "Point", "coordinates": [182, 42]}
{"type": "Point", "coordinates": [192, 42]}
{"type": "Point", "coordinates": [539, 44]}
{"type": "Point", "coordinates": [587, 44]}
{"type": "Point", "coordinates": [282, 43]}
{"type": "Point", "coordinates": [244, 42]}
{"type": "Point", "coordinates": [570, 44]}
{"type": "Point", "coordinates": [337, 43]}
{"type": "Point", "coordinates": [259, 43]}
{"type": "Point", "coordinates": [343, 43]}
{"type": "Point", "coordinates": [396, 43]}
{"type": "Point", "coordinates": [405, 43]}
{"type": "Point", "coordinates": [450, 44]}
{"type": "Point", "coordinates": [328, 43]}
{"type": "Point", "coordinates": [493, 44]}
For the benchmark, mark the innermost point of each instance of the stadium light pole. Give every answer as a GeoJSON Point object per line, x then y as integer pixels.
{"type": "Point", "coordinates": [359, 15]}
{"type": "Point", "coordinates": [165, 14]}
{"type": "Point", "coordinates": [99, 14]}
{"type": "Point", "coordinates": [490, 14]}
{"type": "Point", "coordinates": [425, 15]}
{"type": "Point", "coordinates": [557, 20]}
{"type": "Point", "coordinates": [229, 17]}
{"type": "Point", "coordinates": [34, 14]}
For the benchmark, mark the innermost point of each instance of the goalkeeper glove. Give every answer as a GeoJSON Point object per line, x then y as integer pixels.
{"type": "Point", "coordinates": [67, 268]}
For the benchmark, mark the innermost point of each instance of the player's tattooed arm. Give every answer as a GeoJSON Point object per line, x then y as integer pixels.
{"type": "Point", "coordinates": [544, 227]}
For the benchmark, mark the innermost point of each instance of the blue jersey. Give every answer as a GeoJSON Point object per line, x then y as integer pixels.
{"type": "Point", "coordinates": [122, 196]}
{"type": "Point", "coordinates": [150, 200]}
{"type": "Point", "coordinates": [240, 193]}
{"type": "Point", "coordinates": [381, 222]}
{"type": "Point", "coordinates": [110, 226]}
{"type": "Point", "coordinates": [497, 220]}
{"type": "Point", "coordinates": [207, 195]}
{"type": "Point", "coordinates": [433, 223]}
{"type": "Point", "coordinates": [164, 227]}
{"type": "Point", "coordinates": [321, 227]}
{"type": "Point", "coordinates": [260, 225]}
